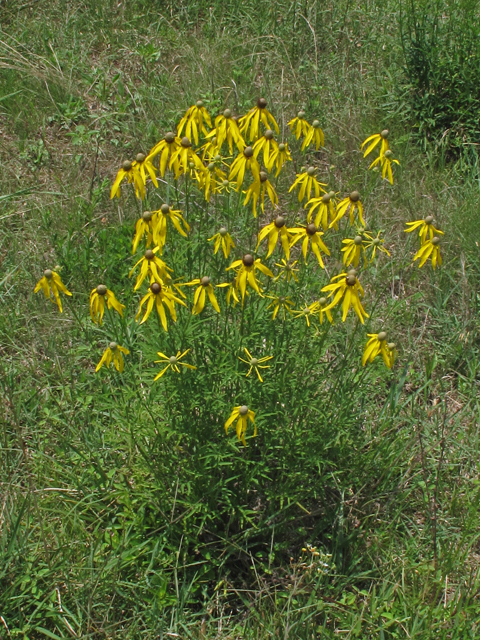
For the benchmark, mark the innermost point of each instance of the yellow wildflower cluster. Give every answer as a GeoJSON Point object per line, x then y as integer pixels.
{"type": "Point", "coordinates": [257, 156]}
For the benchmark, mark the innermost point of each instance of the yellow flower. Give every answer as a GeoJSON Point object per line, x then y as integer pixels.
{"type": "Point", "coordinates": [242, 414]}
{"type": "Point", "coordinates": [425, 227]}
{"type": "Point", "coordinates": [314, 135]}
{"type": "Point", "coordinates": [353, 250]}
{"type": "Point", "coordinates": [280, 302]}
{"type": "Point", "coordinates": [160, 228]}
{"type": "Point", "coordinates": [321, 307]}
{"type": "Point", "coordinates": [166, 148]}
{"type": "Point", "coordinates": [183, 156]}
{"type": "Point", "coordinates": [129, 171]}
{"type": "Point", "coordinates": [222, 239]}
{"type": "Point", "coordinates": [266, 144]}
{"type": "Point", "coordinates": [374, 140]}
{"type": "Point", "coordinates": [143, 164]}
{"type": "Point", "coordinates": [113, 352]}
{"type": "Point", "coordinates": [151, 265]}
{"type": "Point", "coordinates": [144, 225]}
{"type": "Point", "coordinates": [378, 344]}
{"type": "Point", "coordinates": [194, 121]}
{"type": "Point", "coordinates": [226, 128]}
{"type": "Point", "coordinates": [279, 157]}
{"type": "Point", "coordinates": [51, 281]}
{"type": "Point", "coordinates": [385, 161]}
{"type": "Point", "coordinates": [287, 271]}
{"type": "Point", "coordinates": [310, 233]}
{"type": "Point", "coordinates": [210, 179]}
{"type": "Point", "coordinates": [273, 231]}
{"type": "Point", "coordinates": [160, 296]}
{"type": "Point", "coordinates": [349, 205]}
{"type": "Point", "coordinates": [305, 312]}
{"type": "Point", "coordinates": [210, 148]}
{"type": "Point", "coordinates": [255, 363]}
{"type": "Point", "coordinates": [307, 181]}
{"type": "Point", "coordinates": [374, 244]}
{"type": "Point", "coordinates": [346, 286]}
{"type": "Point", "coordinates": [252, 120]}
{"type": "Point", "coordinates": [257, 190]}
{"type": "Point", "coordinates": [430, 248]}
{"type": "Point", "coordinates": [243, 162]}
{"type": "Point", "coordinates": [227, 187]}
{"type": "Point", "coordinates": [232, 292]}
{"type": "Point", "coordinates": [173, 362]}
{"type": "Point", "coordinates": [98, 297]}
{"type": "Point", "coordinates": [299, 126]}
{"type": "Point", "coordinates": [324, 204]}
{"type": "Point", "coordinates": [205, 288]}
{"type": "Point", "coordinates": [245, 274]}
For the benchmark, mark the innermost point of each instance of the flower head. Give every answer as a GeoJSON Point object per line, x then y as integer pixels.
{"type": "Point", "coordinates": [243, 162]}
{"type": "Point", "coordinates": [210, 149]}
{"type": "Point", "coordinates": [204, 289]}
{"type": "Point", "coordinates": [51, 282]}
{"type": "Point", "coordinates": [310, 233]}
{"type": "Point", "coordinates": [376, 345]}
{"type": "Point", "coordinates": [231, 292]}
{"type": "Point", "coordinates": [430, 248]}
{"type": "Point", "coordinates": [166, 148]}
{"type": "Point", "coordinates": [305, 312]}
{"type": "Point", "coordinates": [267, 145]}
{"type": "Point", "coordinates": [226, 129]}
{"type": "Point", "coordinates": [164, 214]}
{"type": "Point", "coordinates": [352, 250]}
{"type": "Point", "coordinates": [194, 121]}
{"type": "Point", "coordinates": [250, 123]}
{"type": "Point", "coordinates": [314, 135]}
{"type": "Point", "coordinates": [374, 140]}
{"type": "Point", "coordinates": [98, 297]}
{"type": "Point", "coordinates": [173, 363]}
{"type": "Point", "coordinates": [152, 266]}
{"type": "Point", "coordinates": [130, 171]}
{"type": "Point", "coordinates": [113, 352]}
{"type": "Point", "coordinates": [257, 190]}
{"type": "Point", "coordinates": [321, 307]}
{"type": "Point", "coordinates": [374, 244]}
{"type": "Point", "coordinates": [160, 296]}
{"type": "Point", "coordinates": [425, 228]}
{"type": "Point", "coordinates": [255, 364]}
{"type": "Point", "coordinates": [279, 156]}
{"type": "Point", "coordinates": [385, 162]}
{"type": "Point", "coordinates": [211, 179]}
{"type": "Point", "coordinates": [241, 414]}
{"type": "Point", "coordinates": [349, 205]}
{"type": "Point", "coordinates": [280, 303]}
{"type": "Point", "coordinates": [143, 164]}
{"type": "Point", "coordinates": [298, 125]}
{"type": "Point", "coordinates": [183, 156]}
{"type": "Point", "coordinates": [287, 270]}
{"type": "Point", "coordinates": [346, 286]}
{"type": "Point", "coordinates": [245, 273]}
{"type": "Point", "coordinates": [325, 210]}
{"type": "Point", "coordinates": [274, 230]}
{"type": "Point", "coordinates": [307, 181]}
{"type": "Point", "coordinates": [222, 239]}
{"type": "Point", "coordinates": [144, 226]}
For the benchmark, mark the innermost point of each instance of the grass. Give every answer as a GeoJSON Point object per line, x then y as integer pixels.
{"type": "Point", "coordinates": [125, 510]}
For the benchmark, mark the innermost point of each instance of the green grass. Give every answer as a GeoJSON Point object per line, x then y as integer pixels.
{"type": "Point", "coordinates": [125, 510]}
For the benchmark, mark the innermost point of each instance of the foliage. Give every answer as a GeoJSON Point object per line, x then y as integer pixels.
{"type": "Point", "coordinates": [442, 64]}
